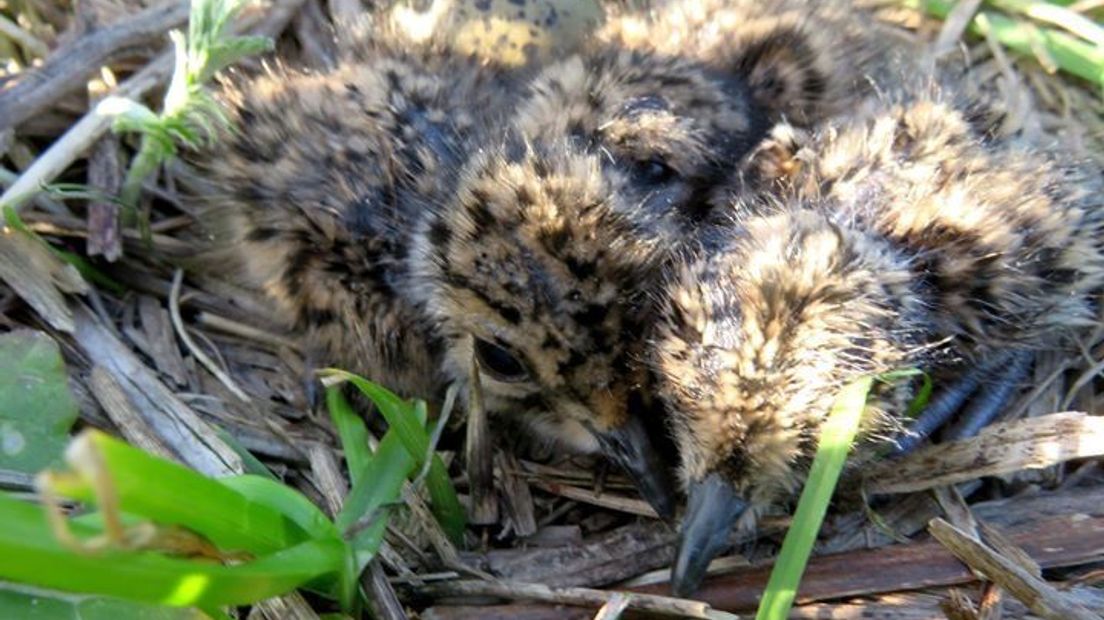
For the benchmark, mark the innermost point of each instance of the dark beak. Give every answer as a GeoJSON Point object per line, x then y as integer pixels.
{"type": "Point", "coordinates": [631, 447]}
{"type": "Point", "coordinates": [711, 510]}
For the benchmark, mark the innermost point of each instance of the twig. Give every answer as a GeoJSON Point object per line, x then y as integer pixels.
{"type": "Point", "coordinates": [584, 597]}
{"type": "Point", "coordinates": [480, 468]}
{"type": "Point", "coordinates": [954, 26]}
{"type": "Point", "coordinates": [613, 608]}
{"type": "Point", "coordinates": [69, 66]}
{"type": "Point", "coordinates": [1039, 596]}
{"type": "Point", "coordinates": [29, 42]}
{"type": "Point", "coordinates": [1057, 529]}
{"type": "Point", "coordinates": [999, 449]}
{"type": "Point", "coordinates": [248, 332]}
{"type": "Point", "coordinates": [66, 149]}
{"type": "Point", "coordinates": [614, 502]}
{"type": "Point", "coordinates": [181, 330]}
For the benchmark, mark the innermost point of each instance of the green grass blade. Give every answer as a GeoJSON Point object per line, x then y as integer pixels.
{"type": "Point", "coordinates": [446, 506]}
{"type": "Point", "coordinates": [286, 501]}
{"type": "Point", "coordinates": [29, 554]}
{"type": "Point", "coordinates": [443, 500]}
{"type": "Point", "coordinates": [22, 603]}
{"type": "Point", "coordinates": [368, 500]}
{"type": "Point", "coordinates": [181, 496]}
{"type": "Point", "coordinates": [408, 420]}
{"type": "Point", "coordinates": [1070, 53]}
{"type": "Point", "coordinates": [400, 414]}
{"type": "Point", "coordinates": [836, 437]}
{"type": "Point", "coordinates": [352, 432]}
{"type": "Point", "coordinates": [252, 464]}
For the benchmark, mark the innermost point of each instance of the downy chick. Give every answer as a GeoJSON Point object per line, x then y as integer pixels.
{"type": "Point", "coordinates": [671, 100]}
{"type": "Point", "coordinates": [317, 191]}
{"type": "Point", "coordinates": [541, 269]}
{"type": "Point", "coordinates": [904, 236]}
{"type": "Point", "coordinates": [536, 270]}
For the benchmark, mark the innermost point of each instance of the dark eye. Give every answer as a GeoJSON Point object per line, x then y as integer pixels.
{"type": "Point", "coordinates": [498, 362]}
{"type": "Point", "coordinates": [655, 171]}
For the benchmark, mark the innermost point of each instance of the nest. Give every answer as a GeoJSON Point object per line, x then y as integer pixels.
{"type": "Point", "coordinates": [163, 356]}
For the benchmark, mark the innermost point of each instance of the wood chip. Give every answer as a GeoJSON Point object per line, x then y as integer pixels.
{"type": "Point", "coordinates": [161, 341]}
{"type": "Point", "coordinates": [483, 509]}
{"type": "Point", "coordinates": [105, 175]}
{"type": "Point", "coordinates": [583, 597]}
{"type": "Point", "coordinates": [1002, 448]}
{"type": "Point", "coordinates": [602, 560]}
{"type": "Point", "coordinates": [515, 494]}
{"type": "Point", "coordinates": [1039, 596]}
{"type": "Point", "coordinates": [129, 421]}
{"type": "Point", "coordinates": [327, 476]}
{"type": "Point", "coordinates": [288, 607]}
{"type": "Point", "coordinates": [39, 277]}
{"type": "Point", "coordinates": [1055, 529]}
{"type": "Point", "coordinates": [381, 595]}
{"type": "Point", "coordinates": [175, 423]}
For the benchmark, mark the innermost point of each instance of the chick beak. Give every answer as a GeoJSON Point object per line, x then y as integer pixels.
{"type": "Point", "coordinates": [630, 446]}
{"type": "Point", "coordinates": [711, 511]}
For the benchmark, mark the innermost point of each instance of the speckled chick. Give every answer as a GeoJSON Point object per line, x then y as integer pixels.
{"type": "Point", "coordinates": [317, 191]}
{"type": "Point", "coordinates": [670, 100]}
{"type": "Point", "coordinates": [905, 235]}
{"type": "Point", "coordinates": [536, 271]}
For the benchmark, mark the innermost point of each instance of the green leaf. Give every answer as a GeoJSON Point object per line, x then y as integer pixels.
{"type": "Point", "coordinates": [351, 430]}
{"type": "Point", "coordinates": [252, 464]}
{"type": "Point", "coordinates": [408, 421]}
{"type": "Point", "coordinates": [172, 494]}
{"type": "Point", "coordinates": [365, 513]}
{"type": "Point", "coordinates": [286, 501]}
{"type": "Point", "coordinates": [36, 408]}
{"type": "Point", "coordinates": [836, 437]}
{"type": "Point", "coordinates": [34, 604]}
{"type": "Point", "coordinates": [400, 414]}
{"type": "Point", "coordinates": [447, 508]}
{"type": "Point", "coordinates": [32, 555]}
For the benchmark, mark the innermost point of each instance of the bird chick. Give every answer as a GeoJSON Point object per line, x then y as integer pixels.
{"type": "Point", "coordinates": [536, 271]}
{"type": "Point", "coordinates": [363, 202]}
{"type": "Point", "coordinates": [669, 101]}
{"type": "Point", "coordinates": [900, 237]}
{"type": "Point", "coordinates": [317, 190]}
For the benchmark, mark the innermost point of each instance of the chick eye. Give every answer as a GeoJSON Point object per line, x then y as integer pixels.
{"type": "Point", "coordinates": [655, 171]}
{"type": "Point", "coordinates": [499, 363]}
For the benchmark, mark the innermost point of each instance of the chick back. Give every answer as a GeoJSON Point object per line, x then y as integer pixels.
{"type": "Point", "coordinates": [318, 188]}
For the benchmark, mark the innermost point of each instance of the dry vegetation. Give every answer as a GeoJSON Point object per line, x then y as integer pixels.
{"type": "Point", "coordinates": [166, 357]}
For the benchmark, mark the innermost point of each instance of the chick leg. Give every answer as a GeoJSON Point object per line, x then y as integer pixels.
{"type": "Point", "coordinates": [992, 396]}
{"type": "Point", "coordinates": [943, 407]}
